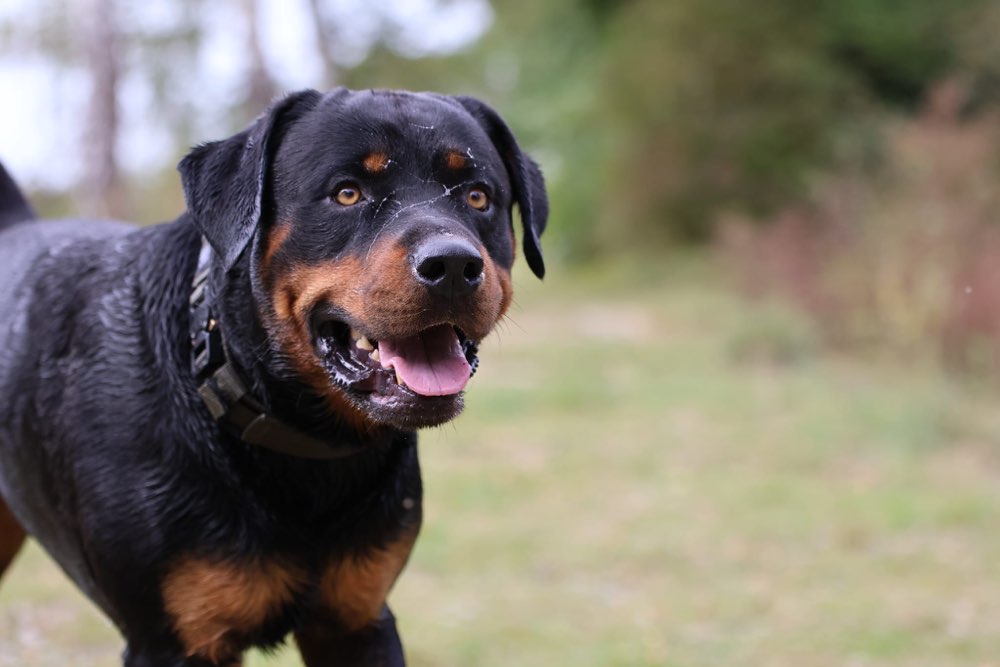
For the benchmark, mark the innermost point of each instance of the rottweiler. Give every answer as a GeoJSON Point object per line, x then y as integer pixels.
{"type": "Point", "coordinates": [210, 423]}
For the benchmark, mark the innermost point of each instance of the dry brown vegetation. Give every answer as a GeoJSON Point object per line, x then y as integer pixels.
{"type": "Point", "coordinates": [902, 257]}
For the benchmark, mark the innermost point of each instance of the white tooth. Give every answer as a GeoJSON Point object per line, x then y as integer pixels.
{"type": "Point", "coordinates": [399, 380]}
{"type": "Point", "coordinates": [355, 335]}
{"type": "Point", "coordinates": [364, 344]}
{"type": "Point", "coordinates": [375, 356]}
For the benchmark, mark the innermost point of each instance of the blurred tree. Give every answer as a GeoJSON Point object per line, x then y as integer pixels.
{"type": "Point", "coordinates": [107, 46]}
{"type": "Point", "coordinates": [101, 189]}
{"type": "Point", "coordinates": [895, 48]}
{"type": "Point", "coordinates": [260, 86]}
{"type": "Point", "coordinates": [720, 107]}
{"type": "Point", "coordinates": [724, 105]}
{"type": "Point", "coordinates": [324, 38]}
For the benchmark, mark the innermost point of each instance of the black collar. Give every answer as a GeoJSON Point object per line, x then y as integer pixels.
{"type": "Point", "coordinates": [225, 392]}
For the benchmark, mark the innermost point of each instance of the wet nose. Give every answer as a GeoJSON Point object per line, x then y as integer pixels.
{"type": "Point", "coordinates": [449, 266]}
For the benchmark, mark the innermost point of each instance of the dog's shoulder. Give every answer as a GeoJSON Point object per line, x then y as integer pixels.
{"type": "Point", "coordinates": [81, 302]}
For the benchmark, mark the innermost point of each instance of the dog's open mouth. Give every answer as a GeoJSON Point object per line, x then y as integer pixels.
{"type": "Point", "coordinates": [436, 362]}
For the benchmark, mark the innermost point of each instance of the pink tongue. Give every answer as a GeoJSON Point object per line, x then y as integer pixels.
{"type": "Point", "coordinates": [431, 363]}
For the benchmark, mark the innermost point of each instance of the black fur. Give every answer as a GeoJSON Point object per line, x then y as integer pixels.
{"type": "Point", "coordinates": [109, 458]}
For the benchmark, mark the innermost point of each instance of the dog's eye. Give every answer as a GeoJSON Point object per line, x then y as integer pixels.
{"type": "Point", "coordinates": [348, 194]}
{"type": "Point", "coordinates": [478, 199]}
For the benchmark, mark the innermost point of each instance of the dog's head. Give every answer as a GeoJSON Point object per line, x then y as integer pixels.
{"type": "Point", "coordinates": [376, 233]}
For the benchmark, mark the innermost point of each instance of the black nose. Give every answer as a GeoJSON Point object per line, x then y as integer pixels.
{"type": "Point", "coordinates": [449, 266]}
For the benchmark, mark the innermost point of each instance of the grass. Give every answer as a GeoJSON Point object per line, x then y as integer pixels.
{"type": "Point", "coordinates": [646, 476]}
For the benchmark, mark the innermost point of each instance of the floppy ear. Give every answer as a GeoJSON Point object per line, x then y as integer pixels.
{"type": "Point", "coordinates": [224, 180]}
{"type": "Point", "coordinates": [525, 176]}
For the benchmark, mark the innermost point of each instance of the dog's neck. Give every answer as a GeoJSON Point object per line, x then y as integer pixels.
{"type": "Point", "coordinates": [230, 390]}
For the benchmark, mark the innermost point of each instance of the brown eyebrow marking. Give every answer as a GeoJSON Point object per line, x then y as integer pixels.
{"type": "Point", "coordinates": [455, 160]}
{"type": "Point", "coordinates": [375, 163]}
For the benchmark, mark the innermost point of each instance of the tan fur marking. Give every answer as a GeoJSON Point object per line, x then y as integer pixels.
{"type": "Point", "coordinates": [214, 604]}
{"type": "Point", "coordinates": [376, 163]}
{"type": "Point", "coordinates": [276, 238]}
{"type": "Point", "coordinates": [380, 293]}
{"type": "Point", "coordinates": [11, 536]}
{"type": "Point", "coordinates": [455, 160]}
{"type": "Point", "coordinates": [506, 290]}
{"type": "Point", "coordinates": [356, 589]}
{"type": "Point", "coordinates": [295, 293]}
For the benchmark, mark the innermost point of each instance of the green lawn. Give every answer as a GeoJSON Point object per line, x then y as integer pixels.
{"type": "Point", "coordinates": [653, 472]}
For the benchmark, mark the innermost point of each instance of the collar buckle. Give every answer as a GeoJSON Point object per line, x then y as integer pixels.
{"type": "Point", "coordinates": [207, 350]}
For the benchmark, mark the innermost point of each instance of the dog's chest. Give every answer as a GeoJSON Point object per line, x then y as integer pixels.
{"type": "Point", "coordinates": [218, 608]}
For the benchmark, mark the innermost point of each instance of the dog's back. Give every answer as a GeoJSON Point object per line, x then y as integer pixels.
{"type": "Point", "coordinates": [33, 253]}
{"type": "Point", "coordinates": [55, 278]}
{"type": "Point", "coordinates": [23, 241]}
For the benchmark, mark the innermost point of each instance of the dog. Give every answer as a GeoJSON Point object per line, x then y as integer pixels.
{"type": "Point", "coordinates": [210, 423]}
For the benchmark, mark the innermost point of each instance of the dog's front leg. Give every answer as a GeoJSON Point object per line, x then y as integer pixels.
{"type": "Point", "coordinates": [325, 643]}
{"type": "Point", "coordinates": [136, 657]}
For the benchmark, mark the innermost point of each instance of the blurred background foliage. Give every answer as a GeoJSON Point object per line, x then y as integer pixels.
{"type": "Point", "coordinates": [653, 118]}
{"type": "Point", "coordinates": [658, 124]}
